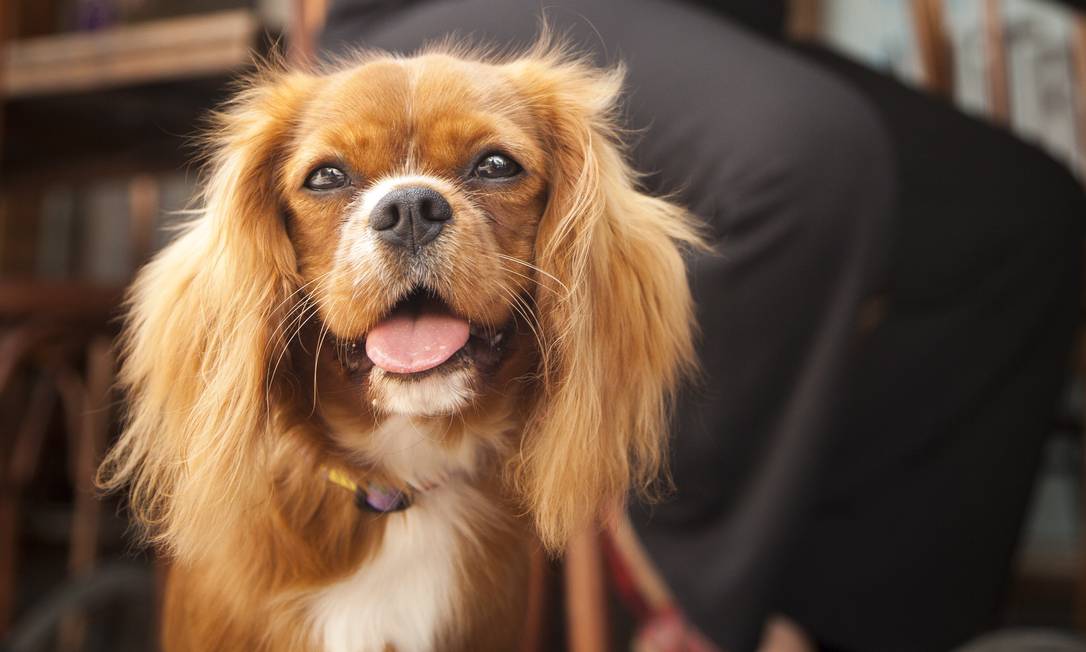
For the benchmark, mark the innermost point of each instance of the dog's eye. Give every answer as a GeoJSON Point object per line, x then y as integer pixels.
{"type": "Point", "coordinates": [496, 166]}
{"type": "Point", "coordinates": [326, 178]}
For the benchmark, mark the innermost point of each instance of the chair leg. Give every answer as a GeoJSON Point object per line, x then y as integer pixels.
{"type": "Point", "coordinates": [936, 54]}
{"type": "Point", "coordinates": [1080, 589]}
{"type": "Point", "coordinates": [88, 447]}
{"type": "Point", "coordinates": [9, 549]}
{"type": "Point", "coordinates": [535, 616]}
{"type": "Point", "coordinates": [586, 596]}
{"type": "Point", "coordinates": [162, 574]}
{"type": "Point", "coordinates": [1078, 56]}
{"type": "Point", "coordinates": [805, 20]}
{"type": "Point", "coordinates": [995, 54]}
{"type": "Point", "coordinates": [20, 468]}
{"type": "Point", "coordinates": [87, 443]}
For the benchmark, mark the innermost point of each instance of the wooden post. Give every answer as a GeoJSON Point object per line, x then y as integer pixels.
{"type": "Point", "coordinates": [1078, 58]}
{"type": "Point", "coordinates": [586, 595]}
{"type": "Point", "coordinates": [6, 11]}
{"type": "Point", "coordinates": [9, 555]}
{"type": "Point", "coordinates": [995, 59]}
{"type": "Point", "coordinates": [22, 464]}
{"type": "Point", "coordinates": [306, 20]}
{"type": "Point", "coordinates": [805, 20]}
{"type": "Point", "coordinates": [936, 55]}
{"type": "Point", "coordinates": [534, 619]}
{"type": "Point", "coordinates": [88, 441]}
{"type": "Point", "coordinates": [5, 26]}
{"type": "Point", "coordinates": [143, 208]}
{"type": "Point", "coordinates": [89, 444]}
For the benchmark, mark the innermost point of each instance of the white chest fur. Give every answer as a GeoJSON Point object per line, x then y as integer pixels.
{"type": "Point", "coordinates": [405, 594]}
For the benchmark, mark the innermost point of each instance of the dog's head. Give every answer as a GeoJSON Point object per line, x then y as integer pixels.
{"type": "Point", "coordinates": [443, 238]}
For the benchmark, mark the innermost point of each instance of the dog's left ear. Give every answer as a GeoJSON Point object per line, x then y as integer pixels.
{"type": "Point", "coordinates": [613, 305]}
{"type": "Point", "coordinates": [204, 326]}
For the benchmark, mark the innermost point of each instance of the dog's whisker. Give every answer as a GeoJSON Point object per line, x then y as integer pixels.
{"type": "Point", "coordinates": [534, 283]}
{"type": "Point", "coordinates": [296, 313]}
{"type": "Point", "coordinates": [532, 267]}
{"type": "Point", "coordinates": [516, 304]}
{"type": "Point", "coordinates": [316, 365]}
{"type": "Point", "coordinates": [301, 316]}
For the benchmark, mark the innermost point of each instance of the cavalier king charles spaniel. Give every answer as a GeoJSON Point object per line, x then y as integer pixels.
{"type": "Point", "coordinates": [424, 319]}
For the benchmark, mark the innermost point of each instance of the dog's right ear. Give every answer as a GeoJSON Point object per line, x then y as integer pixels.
{"type": "Point", "coordinates": [617, 327]}
{"type": "Point", "coordinates": [201, 328]}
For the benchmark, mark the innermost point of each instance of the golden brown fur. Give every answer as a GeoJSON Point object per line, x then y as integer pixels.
{"type": "Point", "coordinates": [237, 404]}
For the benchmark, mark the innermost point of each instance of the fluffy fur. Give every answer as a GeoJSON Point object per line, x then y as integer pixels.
{"type": "Point", "coordinates": [239, 398]}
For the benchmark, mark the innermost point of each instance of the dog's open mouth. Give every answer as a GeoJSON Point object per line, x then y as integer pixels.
{"type": "Point", "coordinates": [422, 334]}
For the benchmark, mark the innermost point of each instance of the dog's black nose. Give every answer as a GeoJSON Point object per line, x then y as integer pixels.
{"type": "Point", "coordinates": [410, 217]}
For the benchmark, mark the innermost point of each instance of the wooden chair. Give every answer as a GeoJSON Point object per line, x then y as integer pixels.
{"type": "Point", "coordinates": [57, 339]}
{"type": "Point", "coordinates": [49, 327]}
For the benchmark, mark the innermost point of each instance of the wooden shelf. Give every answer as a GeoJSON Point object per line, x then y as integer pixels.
{"type": "Point", "coordinates": [58, 299]}
{"type": "Point", "coordinates": [159, 51]}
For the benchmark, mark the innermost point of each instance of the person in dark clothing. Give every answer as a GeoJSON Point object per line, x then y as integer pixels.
{"type": "Point", "coordinates": [885, 328]}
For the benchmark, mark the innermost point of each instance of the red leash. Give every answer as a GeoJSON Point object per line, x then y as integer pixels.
{"type": "Point", "coordinates": [661, 625]}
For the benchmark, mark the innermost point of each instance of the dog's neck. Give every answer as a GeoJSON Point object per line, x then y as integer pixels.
{"type": "Point", "coordinates": [407, 591]}
{"type": "Point", "coordinates": [377, 496]}
{"type": "Point", "coordinates": [418, 452]}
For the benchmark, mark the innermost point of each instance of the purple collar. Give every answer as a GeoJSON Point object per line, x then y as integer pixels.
{"type": "Point", "coordinates": [381, 499]}
{"type": "Point", "coordinates": [374, 497]}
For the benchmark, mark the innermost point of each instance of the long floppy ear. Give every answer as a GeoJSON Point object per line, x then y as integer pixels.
{"type": "Point", "coordinates": [615, 309]}
{"type": "Point", "coordinates": [202, 323]}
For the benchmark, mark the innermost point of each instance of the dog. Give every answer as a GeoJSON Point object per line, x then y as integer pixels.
{"type": "Point", "coordinates": [424, 320]}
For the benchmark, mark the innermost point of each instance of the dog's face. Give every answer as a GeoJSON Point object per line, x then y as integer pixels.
{"type": "Point", "coordinates": [439, 239]}
{"type": "Point", "coordinates": [413, 193]}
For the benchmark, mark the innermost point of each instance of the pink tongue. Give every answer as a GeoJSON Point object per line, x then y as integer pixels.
{"type": "Point", "coordinates": [407, 342]}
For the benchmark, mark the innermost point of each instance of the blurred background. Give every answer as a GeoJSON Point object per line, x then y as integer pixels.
{"type": "Point", "coordinates": [100, 101]}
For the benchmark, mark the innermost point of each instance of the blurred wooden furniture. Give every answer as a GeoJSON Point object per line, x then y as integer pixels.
{"type": "Point", "coordinates": [933, 45]}
{"type": "Point", "coordinates": [57, 335]}
{"type": "Point", "coordinates": [182, 47]}
{"type": "Point", "coordinates": [77, 108]}
{"type": "Point", "coordinates": [306, 20]}
{"type": "Point", "coordinates": [995, 55]}
{"type": "Point", "coordinates": [804, 20]}
{"type": "Point", "coordinates": [586, 595]}
{"type": "Point", "coordinates": [1079, 71]}
{"type": "Point", "coordinates": [937, 57]}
